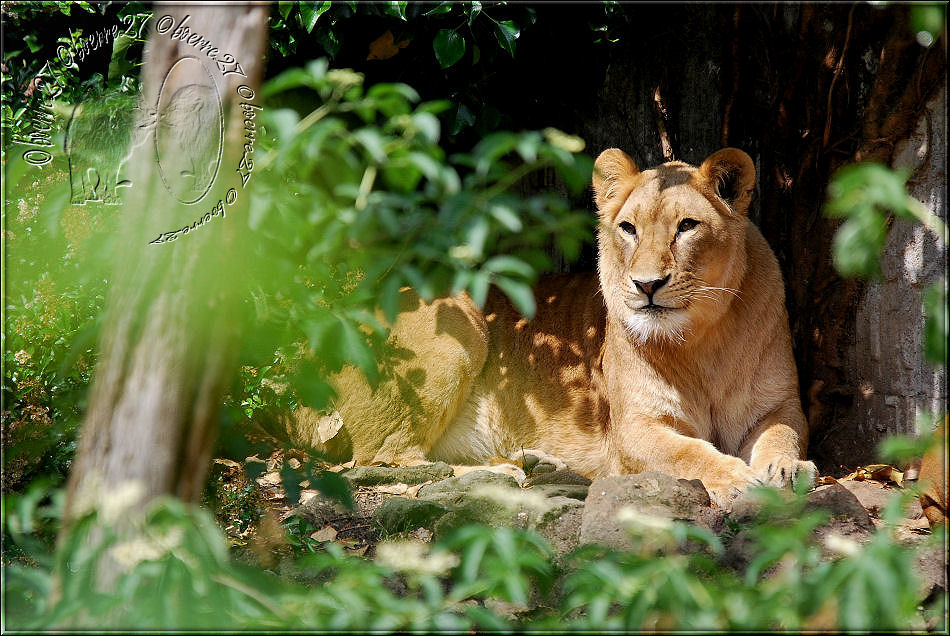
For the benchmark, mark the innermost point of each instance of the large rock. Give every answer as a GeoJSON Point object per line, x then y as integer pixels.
{"type": "Point", "coordinates": [875, 497]}
{"type": "Point", "coordinates": [562, 477]}
{"type": "Point", "coordinates": [378, 475]}
{"type": "Point", "coordinates": [496, 499]}
{"type": "Point", "coordinates": [561, 524]}
{"type": "Point", "coordinates": [649, 494]}
{"type": "Point", "coordinates": [848, 516]}
{"type": "Point", "coordinates": [399, 514]}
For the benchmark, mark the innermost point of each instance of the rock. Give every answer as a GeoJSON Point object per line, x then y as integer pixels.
{"type": "Point", "coordinates": [319, 511]}
{"type": "Point", "coordinates": [366, 501]}
{"type": "Point", "coordinates": [399, 514]}
{"type": "Point", "coordinates": [377, 475]}
{"type": "Point", "coordinates": [875, 497]}
{"type": "Point", "coordinates": [932, 570]}
{"type": "Point", "coordinates": [475, 510]}
{"type": "Point", "coordinates": [492, 499]}
{"type": "Point", "coordinates": [567, 477]}
{"type": "Point", "coordinates": [467, 483]}
{"type": "Point", "coordinates": [561, 525]}
{"type": "Point", "coordinates": [847, 514]}
{"type": "Point", "coordinates": [650, 494]}
{"type": "Point", "coordinates": [574, 491]}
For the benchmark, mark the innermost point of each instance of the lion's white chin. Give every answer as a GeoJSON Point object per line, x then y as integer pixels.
{"type": "Point", "coordinates": [657, 326]}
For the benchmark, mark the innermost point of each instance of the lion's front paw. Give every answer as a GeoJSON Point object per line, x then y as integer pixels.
{"type": "Point", "coordinates": [786, 471]}
{"type": "Point", "coordinates": [724, 489]}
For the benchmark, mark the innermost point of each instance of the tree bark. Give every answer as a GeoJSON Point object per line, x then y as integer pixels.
{"type": "Point", "coordinates": [170, 328]}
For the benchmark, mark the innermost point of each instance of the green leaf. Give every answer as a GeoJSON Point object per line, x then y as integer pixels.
{"type": "Point", "coordinates": [507, 32]}
{"type": "Point", "coordinates": [449, 47]}
{"type": "Point", "coordinates": [929, 18]}
{"type": "Point", "coordinates": [509, 265]}
{"type": "Point", "coordinates": [310, 12]}
{"type": "Point", "coordinates": [506, 216]}
{"type": "Point", "coordinates": [428, 125]}
{"type": "Point", "coordinates": [472, 9]}
{"type": "Point", "coordinates": [937, 326]}
{"type": "Point", "coordinates": [389, 297]}
{"type": "Point", "coordinates": [372, 141]}
{"type": "Point", "coordinates": [463, 119]}
{"type": "Point", "coordinates": [441, 8]}
{"type": "Point", "coordinates": [329, 40]}
{"type": "Point", "coordinates": [857, 245]}
{"type": "Point", "coordinates": [333, 486]}
{"type": "Point", "coordinates": [478, 287]}
{"type": "Point", "coordinates": [397, 8]}
{"type": "Point", "coordinates": [285, 7]}
{"type": "Point", "coordinates": [520, 294]}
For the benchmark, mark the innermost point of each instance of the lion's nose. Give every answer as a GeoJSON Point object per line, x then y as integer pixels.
{"type": "Point", "coordinates": [650, 287]}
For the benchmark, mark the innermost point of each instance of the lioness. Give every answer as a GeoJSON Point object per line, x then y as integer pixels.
{"type": "Point", "coordinates": [677, 359]}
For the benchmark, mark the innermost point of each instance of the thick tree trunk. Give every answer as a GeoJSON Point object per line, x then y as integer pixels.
{"type": "Point", "coordinates": [167, 346]}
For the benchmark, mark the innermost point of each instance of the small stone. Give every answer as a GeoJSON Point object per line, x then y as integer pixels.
{"type": "Point", "coordinates": [558, 477]}
{"type": "Point", "coordinates": [574, 491]}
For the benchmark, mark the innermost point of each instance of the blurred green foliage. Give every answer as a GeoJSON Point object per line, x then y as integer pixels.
{"type": "Point", "coordinates": [356, 199]}
{"type": "Point", "coordinates": [97, 49]}
{"type": "Point", "coordinates": [178, 576]}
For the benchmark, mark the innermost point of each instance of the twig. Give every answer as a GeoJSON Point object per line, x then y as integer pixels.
{"type": "Point", "coordinates": [834, 79]}
{"type": "Point", "coordinates": [660, 112]}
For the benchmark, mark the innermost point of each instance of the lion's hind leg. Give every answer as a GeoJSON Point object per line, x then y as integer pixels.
{"type": "Point", "coordinates": [440, 349]}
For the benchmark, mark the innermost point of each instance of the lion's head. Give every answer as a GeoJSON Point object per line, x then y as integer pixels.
{"type": "Point", "coordinates": [672, 241]}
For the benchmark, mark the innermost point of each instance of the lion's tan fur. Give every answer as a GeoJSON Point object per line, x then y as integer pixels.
{"type": "Point", "coordinates": [706, 389]}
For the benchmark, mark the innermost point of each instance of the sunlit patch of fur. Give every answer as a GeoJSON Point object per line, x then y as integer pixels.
{"type": "Point", "coordinates": [666, 325]}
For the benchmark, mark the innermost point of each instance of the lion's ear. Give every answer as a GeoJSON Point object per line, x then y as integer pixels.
{"type": "Point", "coordinates": [612, 166]}
{"type": "Point", "coordinates": [730, 173]}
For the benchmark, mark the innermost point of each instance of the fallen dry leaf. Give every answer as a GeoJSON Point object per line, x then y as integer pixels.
{"type": "Point", "coordinates": [393, 489]}
{"type": "Point", "coordinates": [385, 47]}
{"type": "Point", "coordinates": [307, 494]}
{"type": "Point", "coordinates": [876, 472]}
{"type": "Point", "coordinates": [329, 426]}
{"type": "Point", "coordinates": [269, 479]}
{"type": "Point", "coordinates": [326, 533]}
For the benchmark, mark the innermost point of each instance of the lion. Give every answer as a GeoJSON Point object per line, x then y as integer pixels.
{"type": "Point", "coordinates": [675, 357]}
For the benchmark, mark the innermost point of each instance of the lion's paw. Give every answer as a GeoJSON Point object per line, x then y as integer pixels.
{"type": "Point", "coordinates": [783, 472]}
{"type": "Point", "coordinates": [723, 491]}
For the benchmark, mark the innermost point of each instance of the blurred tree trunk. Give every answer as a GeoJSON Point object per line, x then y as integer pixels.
{"type": "Point", "coordinates": [170, 328]}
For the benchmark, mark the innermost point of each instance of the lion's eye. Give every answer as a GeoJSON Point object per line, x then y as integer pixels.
{"type": "Point", "coordinates": [686, 225]}
{"type": "Point", "coordinates": [628, 228]}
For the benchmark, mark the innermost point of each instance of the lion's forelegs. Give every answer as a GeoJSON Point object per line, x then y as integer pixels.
{"type": "Point", "coordinates": [657, 446]}
{"type": "Point", "coordinates": [775, 448]}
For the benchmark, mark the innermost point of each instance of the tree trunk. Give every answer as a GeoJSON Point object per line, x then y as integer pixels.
{"type": "Point", "coordinates": [170, 329]}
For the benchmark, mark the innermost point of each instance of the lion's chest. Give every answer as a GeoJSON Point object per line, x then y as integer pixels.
{"type": "Point", "coordinates": [717, 407]}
